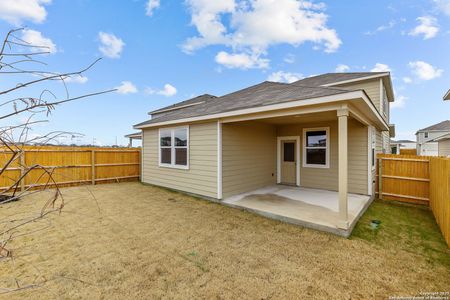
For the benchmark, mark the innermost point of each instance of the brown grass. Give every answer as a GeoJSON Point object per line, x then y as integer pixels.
{"type": "Point", "coordinates": [148, 242]}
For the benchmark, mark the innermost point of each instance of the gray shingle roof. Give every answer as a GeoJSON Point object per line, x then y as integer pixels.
{"type": "Point", "coordinates": [334, 77]}
{"type": "Point", "coordinates": [402, 141]}
{"type": "Point", "coordinates": [442, 126]}
{"type": "Point", "coordinates": [198, 99]}
{"type": "Point", "coordinates": [265, 93]}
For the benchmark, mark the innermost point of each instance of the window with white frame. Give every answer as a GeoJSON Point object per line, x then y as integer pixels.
{"type": "Point", "coordinates": [373, 141]}
{"type": "Point", "coordinates": [316, 147]}
{"type": "Point", "coordinates": [174, 147]}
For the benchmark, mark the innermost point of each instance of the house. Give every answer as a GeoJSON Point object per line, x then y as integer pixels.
{"type": "Point", "coordinates": [133, 136]}
{"type": "Point", "coordinates": [447, 95]}
{"type": "Point", "coordinates": [428, 139]}
{"type": "Point", "coordinates": [302, 152]}
{"type": "Point", "coordinates": [406, 145]}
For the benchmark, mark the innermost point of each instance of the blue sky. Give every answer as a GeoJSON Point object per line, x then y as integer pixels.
{"type": "Point", "coordinates": [162, 52]}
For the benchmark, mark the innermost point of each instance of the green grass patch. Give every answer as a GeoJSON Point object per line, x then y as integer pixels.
{"type": "Point", "coordinates": [408, 227]}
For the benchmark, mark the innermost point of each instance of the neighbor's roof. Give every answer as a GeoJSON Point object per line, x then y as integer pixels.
{"type": "Point", "coordinates": [135, 135]}
{"type": "Point", "coordinates": [447, 96]}
{"type": "Point", "coordinates": [441, 138]}
{"type": "Point", "coordinates": [265, 93]}
{"type": "Point", "coordinates": [402, 141]}
{"type": "Point", "coordinates": [442, 126]}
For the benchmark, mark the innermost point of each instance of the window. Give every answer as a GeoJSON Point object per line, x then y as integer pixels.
{"type": "Point", "coordinates": [316, 151]}
{"type": "Point", "coordinates": [426, 135]}
{"type": "Point", "coordinates": [174, 147]}
{"type": "Point", "coordinates": [373, 141]}
{"type": "Point", "coordinates": [289, 152]}
{"type": "Point", "coordinates": [385, 103]}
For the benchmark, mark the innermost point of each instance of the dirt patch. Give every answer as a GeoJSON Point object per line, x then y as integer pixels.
{"type": "Point", "coordinates": [147, 242]}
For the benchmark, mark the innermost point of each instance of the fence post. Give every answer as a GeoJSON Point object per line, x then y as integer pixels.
{"type": "Point", "coordinates": [22, 170]}
{"type": "Point", "coordinates": [380, 178]}
{"type": "Point", "coordinates": [92, 166]}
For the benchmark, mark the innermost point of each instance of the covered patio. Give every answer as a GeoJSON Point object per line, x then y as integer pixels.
{"type": "Point", "coordinates": [311, 167]}
{"type": "Point", "coordinates": [312, 208]}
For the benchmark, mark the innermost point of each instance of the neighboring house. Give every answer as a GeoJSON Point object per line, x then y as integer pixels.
{"type": "Point", "coordinates": [397, 146]}
{"type": "Point", "coordinates": [443, 145]}
{"type": "Point", "coordinates": [447, 96]}
{"type": "Point", "coordinates": [133, 136]}
{"type": "Point", "coordinates": [427, 143]}
{"type": "Point", "coordinates": [322, 132]}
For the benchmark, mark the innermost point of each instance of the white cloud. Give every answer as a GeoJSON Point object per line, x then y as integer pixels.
{"type": "Point", "coordinates": [126, 87]}
{"type": "Point", "coordinates": [287, 77]}
{"type": "Point", "coordinates": [256, 25]}
{"type": "Point", "coordinates": [241, 60]}
{"type": "Point", "coordinates": [399, 102]}
{"type": "Point", "coordinates": [427, 27]}
{"type": "Point", "coordinates": [111, 46]}
{"type": "Point", "coordinates": [407, 80]}
{"type": "Point", "coordinates": [424, 70]}
{"type": "Point", "coordinates": [390, 25]}
{"type": "Point", "coordinates": [289, 59]}
{"type": "Point", "coordinates": [342, 68]}
{"type": "Point", "coordinates": [76, 79]}
{"type": "Point", "coordinates": [18, 11]}
{"type": "Point", "coordinates": [168, 91]}
{"type": "Point", "coordinates": [151, 6]}
{"type": "Point", "coordinates": [379, 67]}
{"type": "Point", "coordinates": [444, 6]}
{"type": "Point", "coordinates": [36, 38]}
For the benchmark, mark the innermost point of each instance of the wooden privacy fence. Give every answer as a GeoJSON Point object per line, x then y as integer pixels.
{"type": "Point", "coordinates": [71, 165]}
{"type": "Point", "coordinates": [417, 179]}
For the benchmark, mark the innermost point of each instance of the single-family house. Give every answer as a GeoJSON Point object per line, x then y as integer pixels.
{"type": "Point", "coordinates": [406, 145]}
{"type": "Point", "coordinates": [428, 139]}
{"type": "Point", "coordinates": [303, 152]}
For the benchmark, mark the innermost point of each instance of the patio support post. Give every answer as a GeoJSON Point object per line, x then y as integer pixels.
{"type": "Point", "coordinates": [343, 164]}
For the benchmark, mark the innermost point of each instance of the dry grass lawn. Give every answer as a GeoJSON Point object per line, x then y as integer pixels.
{"type": "Point", "coordinates": [146, 242]}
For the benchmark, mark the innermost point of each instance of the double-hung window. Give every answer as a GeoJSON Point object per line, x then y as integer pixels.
{"type": "Point", "coordinates": [373, 142]}
{"type": "Point", "coordinates": [174, 147]}
{"type": "Point", "coordinates": [316, 147]}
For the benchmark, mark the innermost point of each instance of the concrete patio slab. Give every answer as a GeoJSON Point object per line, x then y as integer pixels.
{"type": "Point", "coordinates": [313, 208]}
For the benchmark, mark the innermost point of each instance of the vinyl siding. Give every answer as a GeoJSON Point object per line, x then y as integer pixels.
{"type": "Point", "coordinates": [372, 89]}
{"type": "Point", "coordinates": [201, 178]}
{"type": "Point", "coordinates": [328, 178]}
{"type": "Point", "coordinates": [444, 147]}
{"type": "Point", "coordinates": [248, 157]}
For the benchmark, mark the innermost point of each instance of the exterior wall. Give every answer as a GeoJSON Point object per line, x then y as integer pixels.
{"type": "Point", "coordinates": [444, 147]}
{"type": "Point", "coordinates": [200, 178]}
{"type": "Point", "coordinates": [248, 157]}
{"type": "Point", "coordinates": [371, 87]}
{"type": "Point", "coordinates": [429, 148]}
{"type": "Point", "coordinates": [327, 178]}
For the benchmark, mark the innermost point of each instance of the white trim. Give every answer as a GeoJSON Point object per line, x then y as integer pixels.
{"type": "Point", "coordinates": [327, 148]}
{"type": "Point", "coordinates": [296, 138]}
{"type": "Point", "coordinates": [290, 104]}
{"type": "Point", "coordinates": [369, 161]}
{"type": "Point", "coordinates": [373, 145]}
{"type": "Point", "coordinates": [173, 147]}
{"type": "Point", "coordinates": [155, 112]}
{"type": "Point", "coordinates": [357, 79]}
{"type": "Point", "coordinates": [219, 160]}
{"type": "Point", "coordinates": [142, 157]}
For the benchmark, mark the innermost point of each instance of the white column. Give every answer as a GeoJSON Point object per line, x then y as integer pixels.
{"type": "Point", "coordinates": [343, 165]}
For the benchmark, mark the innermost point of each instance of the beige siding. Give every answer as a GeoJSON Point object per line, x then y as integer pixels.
{"type": "Point", "coordinates": [372, 89]}
{"type": "Point", "coordinates": [201, 178]}
{"type": "Point", "coordinates": [249, 157]}
{"type": "Point", "coordinates": [328, 178]}
{"type": "Point", "coordinates": [444, 147]}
